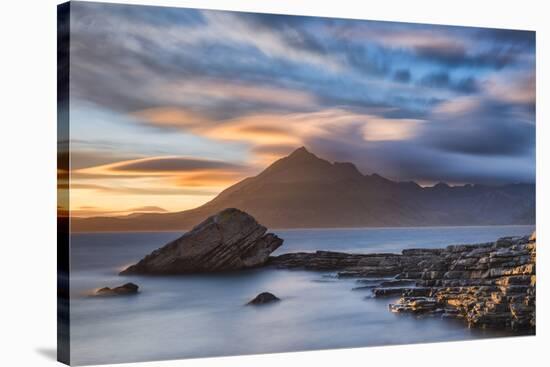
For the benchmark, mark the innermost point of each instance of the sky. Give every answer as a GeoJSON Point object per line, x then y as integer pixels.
{"type": "Point", "coordinates": [169, 106]}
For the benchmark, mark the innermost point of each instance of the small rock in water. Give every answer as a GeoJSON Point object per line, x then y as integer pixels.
{"type": "Point", "coordinates": [263, 298]}
{"type": "Point", "coordinates": [126, 289]}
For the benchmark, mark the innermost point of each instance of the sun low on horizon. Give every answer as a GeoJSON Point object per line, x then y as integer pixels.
{"type": "Point", "coordinates": [169, 106]}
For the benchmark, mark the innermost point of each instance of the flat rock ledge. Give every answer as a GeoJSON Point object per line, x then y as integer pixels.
{"type": "Point", "coordinates": [488, 285]}
{"type": "Point", "coordinates": [230, 240]}
{"type": "Point", "coordinates": [123, 290]}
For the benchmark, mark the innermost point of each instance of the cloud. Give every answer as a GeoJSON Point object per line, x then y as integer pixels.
{"type": "Point", "coordinates": [209, 93]}
{"type": "Point", "coordinates": [383, 129]}
{"type": "Point", "coordinates": [148, 209]}
{"type": "Point", "coordinates": [515, 88]}
{"type": "Point", "coordinates": [406, 160]}
{"type": "Point", "coordinates": [409, 101]}
{"type": "Point", "coordinates": [167, 165]}
{"type": "Point", "coordinates": [89, 211]}
{"type": "Point", "coordinates": [454, 56]}
{"type": "Point", "coordinates": [402, 75]}
{"type": "Point", "coordinates": [512, 37]}
{"type": "Point", "coordinates": [480, 127]}
{"type": "Point", "coordinates": [163, 190]}
{"type": "Point", "coordinates": [159, 176]}
{"type": "Point", "coordinates": [276, 130]}
{"type": "Point", "coordinates": [86, 159]}
{"type": "Point", "coordinates": [451, 47]}
{"type": "Point", "coordinates": [209, 179]}
{"type": "Point", "coordinates": [442, 79]}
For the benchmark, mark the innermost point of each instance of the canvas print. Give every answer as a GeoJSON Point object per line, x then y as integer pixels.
{"type": "Point", "coordinates": [236, 183]}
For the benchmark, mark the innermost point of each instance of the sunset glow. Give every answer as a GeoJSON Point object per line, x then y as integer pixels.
{"type": "Point", "coordinates": [198, 100]}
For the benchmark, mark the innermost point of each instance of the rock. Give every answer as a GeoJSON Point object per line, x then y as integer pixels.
{"type": "Point", "coordinates": [229, 240]}
{"type": "Point", "coordinates": [319, 260]}
{"type": "Point", "coordinates": [392, 291]}
{"type": "Point", "coordinates": [263, 298]}
{"type": "Point", "coordinates": [418, 292]}
{"type": "Point", "coordinates": [489, 284]}
{"type": "Point", "coordinates": [417, 305]}
{"type": "Point", "coordinates": [123, 290]}
{"type": "Point", "coordinates": [398, 283]}
{"type": "Point", "coordinates": [373, 281]}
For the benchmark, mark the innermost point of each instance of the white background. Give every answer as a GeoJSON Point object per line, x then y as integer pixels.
{"type": "Point", "coordinates": [28, 182]}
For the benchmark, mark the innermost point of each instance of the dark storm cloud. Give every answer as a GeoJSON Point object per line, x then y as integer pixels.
{"type": "Point", "coordinates": [490, 128]}
{"type": "Point", "coordinates": [412, 161]}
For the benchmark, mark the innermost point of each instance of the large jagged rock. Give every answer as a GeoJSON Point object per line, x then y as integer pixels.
{"type": "Point", "coordinates": [229, 240]}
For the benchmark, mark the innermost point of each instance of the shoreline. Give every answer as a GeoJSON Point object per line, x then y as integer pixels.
{"type": "Point", "coordinates": [488, 285]}
{"type": "Point", "coordinates": [320, 228]}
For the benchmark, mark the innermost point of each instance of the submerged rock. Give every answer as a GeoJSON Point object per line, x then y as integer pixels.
{"type": "Point", "coordinates": [123, 290]}
{"type": "Point", "coordinates": [263, 298]}
{"type": "Point", "coordinates": [229, 240]}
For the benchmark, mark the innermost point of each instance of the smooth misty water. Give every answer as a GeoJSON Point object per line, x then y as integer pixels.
{"type": "Point", "coordinates": [204, 315]}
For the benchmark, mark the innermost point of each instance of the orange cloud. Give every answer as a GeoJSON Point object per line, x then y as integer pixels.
{"type": "Point", "coordinates": [209, 179]}
{"type": "Point", "coordinates": [384, 129]}
{"type": "Point", "coordinates": [172, 116]}
{"type": "Point", "coordinates": [92, 211]}
{"type": "Point", "coordinates": [269, 130]}
{"type": "Point", "coordinates": [173, 183]}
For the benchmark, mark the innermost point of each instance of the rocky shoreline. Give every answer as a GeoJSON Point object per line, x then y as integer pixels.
{"type": "Point", "coordinates": [489, 285]}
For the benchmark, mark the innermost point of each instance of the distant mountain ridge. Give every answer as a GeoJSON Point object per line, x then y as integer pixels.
{"type": "Point", "coordinates": [305, 191]}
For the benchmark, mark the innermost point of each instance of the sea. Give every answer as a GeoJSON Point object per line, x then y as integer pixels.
{"type": "Point", "coordinates": [193, 316]}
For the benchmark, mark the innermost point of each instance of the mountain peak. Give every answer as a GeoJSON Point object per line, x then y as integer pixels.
{"type": "Point", "coordinates": [302, 151]}
{"type": "Point", "coordinates": [303, 166]}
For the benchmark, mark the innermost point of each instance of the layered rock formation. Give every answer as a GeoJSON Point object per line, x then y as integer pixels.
{"type": "Point", "coordinates": [229, 240]}
{"type": "Point", "coordinates": [488, 285]}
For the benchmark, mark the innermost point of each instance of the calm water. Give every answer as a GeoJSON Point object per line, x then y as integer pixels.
{"type": "Point", "coordinates": [202, 316]}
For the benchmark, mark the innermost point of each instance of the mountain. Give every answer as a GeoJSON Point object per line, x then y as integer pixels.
{"type": "Point", "coordinates": [303, 190]}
